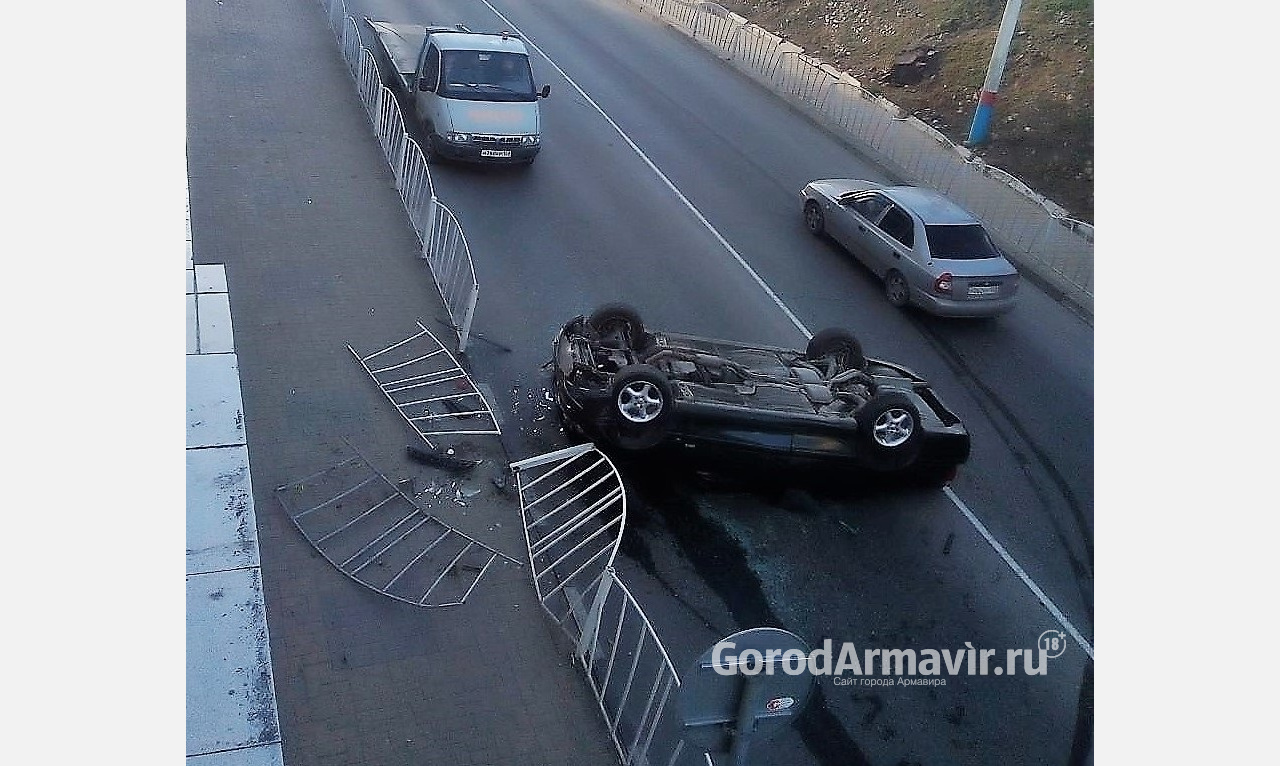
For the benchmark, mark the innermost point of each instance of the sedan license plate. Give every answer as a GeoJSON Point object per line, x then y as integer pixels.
{"type": "Point", "coordinates": [496, 153]}
{"type": "Point", "coordinates": [981, 291]}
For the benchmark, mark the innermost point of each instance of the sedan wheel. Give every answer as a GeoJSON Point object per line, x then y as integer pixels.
{"type": "Point", "coordinates": [813, 220]}
{"type": "Point", "coordinates": [642, 407]}
{"type": "Point", "coordinates": [640, 401]}
{"type": "Point", "coordinates": [893, 428]}
{"type": "Point", "coordinates": [896, 289]}
{"type": "Point", "coordinates": [890, 424]}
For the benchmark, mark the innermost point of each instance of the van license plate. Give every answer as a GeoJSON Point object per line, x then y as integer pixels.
{"type": "Point", "coordinates": [977, 291]}
{"type": "Point", "coordinates": [501, 154]}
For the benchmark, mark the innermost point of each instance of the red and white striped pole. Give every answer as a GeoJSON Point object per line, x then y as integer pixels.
{"type": "Point", "coordinates": [981, 126]}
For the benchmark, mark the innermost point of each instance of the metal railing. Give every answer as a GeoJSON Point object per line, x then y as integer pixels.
{"type": "Point", "coordinates": [574, 509]}
{"type": "Point", "coordinates": [444, 244]}
{"type": "Point", "coordinates": [377, 535]}
{"type": "Point", "coordinates": [1036, 232]}
{"type": "Point", "coordinates": [428, 387]}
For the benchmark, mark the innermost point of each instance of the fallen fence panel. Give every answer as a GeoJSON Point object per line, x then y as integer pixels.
{"type": "Point", "coordinates": [375, 534]}
{"type": "Point", "coordinates": [428, 387]}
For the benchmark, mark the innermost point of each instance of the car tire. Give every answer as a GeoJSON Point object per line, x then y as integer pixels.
{"type": "Point", "coordinates": [896, 288]}
{"type": "Point", "coordinates": [890, 427]}
{"type": "Point", "coordinates": [618, 319]}
{"type": "Point", "coordinates": [640, 407]}
{"type": "Point", "coordinates": [429, 155]}
{"type": "Point", "coordinates": [814, 221]}
{"type": "Point", "coordinates": [834, 341]}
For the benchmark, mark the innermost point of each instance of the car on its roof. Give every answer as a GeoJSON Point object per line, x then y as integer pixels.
{"type": "Point", "coordinates": [618, 383]}
{"type": "Point", "coordinates": [930, 252]}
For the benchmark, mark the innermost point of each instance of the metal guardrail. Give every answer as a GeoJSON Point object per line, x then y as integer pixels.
{"type": "Point", "coordinates": [444, 244]}
{"type": "Point", "coordinates": [428, 387]}
{"type": "Point", "coordinates": [377, 535]}
{"type": "Point", "coordinates": [574, 509]}
{"type": "Point", "coordinates": [1036, 232]}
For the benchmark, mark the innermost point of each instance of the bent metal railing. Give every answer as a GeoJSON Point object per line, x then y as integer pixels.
{"type": "Point", "coordinates": [444, 244]}
{"type": "Point", "coordinates": [374, 533]}
{"type": "Point", "coordinates": [428, 387]}
{"type": "Point", "coordinates": [574, 509]}
{"type": "Point", "coordinates": [1035, 231]}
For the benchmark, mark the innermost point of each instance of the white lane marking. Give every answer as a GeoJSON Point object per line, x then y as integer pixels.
{"type": "Point", "coordinates": [663, 176]}
{"type": "Point", "coordinates": [1026, 579]}
{"type": "Point", "coordinates": [982, 530]}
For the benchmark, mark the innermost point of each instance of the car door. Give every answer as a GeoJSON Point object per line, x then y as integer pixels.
{"type": "Point", "coordinates": [855, 216]}
{"type": "Point", "coordinates": [429, 76]}
{"type": "Point", "coordinates": [723, 423]}
{"type": "Point", "coordinates": [890, 244]}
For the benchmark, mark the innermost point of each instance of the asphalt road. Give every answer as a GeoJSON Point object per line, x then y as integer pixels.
{"type": "Point", "coordinates": [661, 163]}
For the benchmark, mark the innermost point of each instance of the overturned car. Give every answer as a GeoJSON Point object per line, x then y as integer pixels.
{"type": "Point", "coordinates": [618, 383]}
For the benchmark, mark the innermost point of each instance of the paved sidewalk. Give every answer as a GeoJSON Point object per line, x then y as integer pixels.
{"type": "Point", "coordinates": [231, 708]}
{"type": "Point", "coordinates": [289, 190]}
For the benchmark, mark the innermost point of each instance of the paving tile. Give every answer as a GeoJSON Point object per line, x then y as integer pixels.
{"type": "Point", "coordinates": [215, 413]}
{"type": "Point", "coordinates": [214, 313]}
{"type": "Point", "coordinates": [211, 278]}
{"type": "Point", "coordinates": [230, 700]}
{"type": "Point", "coordinates": [221, 530]}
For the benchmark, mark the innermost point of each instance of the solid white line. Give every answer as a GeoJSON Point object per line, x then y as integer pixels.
{"type": "Point", "coordinates": [1026, 579]}
{"type": "Point", "coordinates": [663, 176]}
{"type": "Point", "coordinates": [982, 530]}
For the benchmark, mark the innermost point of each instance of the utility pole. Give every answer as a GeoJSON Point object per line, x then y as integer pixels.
{"type": "Point", "coordinates": [981, 127]}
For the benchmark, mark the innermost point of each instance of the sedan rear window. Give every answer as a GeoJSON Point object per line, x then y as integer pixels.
{"type": "Point", "coordinates": [966, 242]}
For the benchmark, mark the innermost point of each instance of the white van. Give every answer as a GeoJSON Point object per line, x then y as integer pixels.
{"type": "Point", "coordinates": [473, 91]}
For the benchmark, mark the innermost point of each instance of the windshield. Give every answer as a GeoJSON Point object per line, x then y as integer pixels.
{"type": "Point", "coordinates": [487, 76]}
{"type": "Point", "coordinates": [966, 242]}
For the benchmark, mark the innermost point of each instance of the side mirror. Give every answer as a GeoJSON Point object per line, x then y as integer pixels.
{"type": "Point", "coordinates": [546, 91]}
{"type": "Point", "coordinates": [425, 85]}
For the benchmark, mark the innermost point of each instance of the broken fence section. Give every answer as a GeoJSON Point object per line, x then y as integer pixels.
{"type": "Point", "coordinates": [428, 387]}
{"type": "Point", "coordinates": [375, 534]}
{"type": "Point", "coordinates": [574, 510]}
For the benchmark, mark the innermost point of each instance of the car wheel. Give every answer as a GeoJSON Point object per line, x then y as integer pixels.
{"type": "Point", "coordinates": [837, 343]}
{"type": "Point", "coordinates": [428, 147]}
{"type": "Point", "coordinates": [620, 321]}
{"type": "Point", "coordinates": [890, 426]}
{"type": "Point", "coordinates": [896, 289]}
{"type": "Point", "coordinates": [813, 219]}
{"type": "Point", "coordinates": [640, 407]}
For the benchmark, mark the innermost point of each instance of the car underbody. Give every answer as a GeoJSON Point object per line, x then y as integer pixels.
{"type": "Point", "coordinates": [617, 383]}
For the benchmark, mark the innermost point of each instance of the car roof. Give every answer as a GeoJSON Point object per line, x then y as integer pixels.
{"type": "Point", "coordinates": [929, 205]}
{"type": "Point", "coordinates": [471, 41]}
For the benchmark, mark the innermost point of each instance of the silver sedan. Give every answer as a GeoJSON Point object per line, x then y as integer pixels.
{"type": "Point", "coordinates": [930, 252]}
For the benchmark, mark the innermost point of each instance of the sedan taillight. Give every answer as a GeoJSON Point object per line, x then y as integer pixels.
{"type": "Point", "coordinates": [943, 283]}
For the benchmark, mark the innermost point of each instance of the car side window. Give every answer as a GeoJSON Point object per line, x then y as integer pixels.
{"type": "Point", "coordinates": [431, 67]}
{"type": "Point", "coordinates": [898, 224]}
{"type": "Point", "coordinates": [869, 206]}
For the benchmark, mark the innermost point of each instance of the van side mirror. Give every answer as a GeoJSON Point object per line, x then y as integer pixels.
{"type": "Point", "coordinates": [546, 91]}
{"type": "Point", "coordinates": [425, 85]}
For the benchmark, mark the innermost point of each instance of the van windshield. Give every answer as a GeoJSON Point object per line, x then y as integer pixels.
{"type": "Point", "coordinates": [486, 76]}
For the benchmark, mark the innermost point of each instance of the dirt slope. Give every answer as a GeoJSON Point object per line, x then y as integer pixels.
{"type": "Point", "coordinates": [1043, 126]}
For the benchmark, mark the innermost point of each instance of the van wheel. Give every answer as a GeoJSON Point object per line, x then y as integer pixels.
{"type": "Point", "coordinates": [428, 147]}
